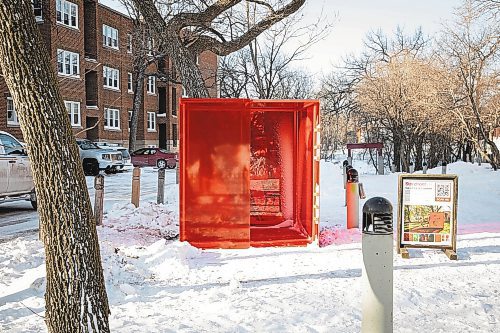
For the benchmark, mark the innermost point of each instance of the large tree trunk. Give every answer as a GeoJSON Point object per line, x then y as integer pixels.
{"type": "Point", "coordinates": [75, 297]}
{"type": "Point", "coordinates": [185, 63]}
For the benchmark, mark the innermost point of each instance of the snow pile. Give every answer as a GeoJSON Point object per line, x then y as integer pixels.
{"type": "Point", "coordinates": [126, 224]}
{"type": "Point", "coordinates": [336, 235]}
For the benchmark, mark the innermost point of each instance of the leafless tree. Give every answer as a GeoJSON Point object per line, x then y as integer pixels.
{"type": "Point", "coordinates": [470, 50]}
{"type": "Point", "coordinates": [490, 8]}
{"type": "Point", "coordinates": [75, 298]}
{"type": "Point", "coordinates": [266, 65]}
{"type": "Point", "coordinates": [184, 29]}
{"type": "Point", "coordinates": [338, 108]}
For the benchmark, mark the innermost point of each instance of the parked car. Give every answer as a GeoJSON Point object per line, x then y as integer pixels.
{"type": "Point", "coordinates": [127, 163]}
{"type": "Point", "coordinates": [95, 159]}
{"type": "Point", "coordinates": [16, 179]}
{"type": "Point", "coordinates": [158, 157]}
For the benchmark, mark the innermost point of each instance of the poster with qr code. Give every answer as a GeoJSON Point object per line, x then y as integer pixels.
{"type": "Point", "coordinates": [427, 211]}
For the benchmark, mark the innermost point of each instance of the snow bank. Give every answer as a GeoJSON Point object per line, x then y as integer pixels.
{"type": "Point", "coordinates": [158, 284]}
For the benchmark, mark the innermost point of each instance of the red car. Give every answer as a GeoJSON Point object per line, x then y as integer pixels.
{"type": "Point", "coordinates": [154, 157]}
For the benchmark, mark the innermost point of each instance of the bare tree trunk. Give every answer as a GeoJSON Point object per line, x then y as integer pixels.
{"type": "Point", "coordinates": [136, 107]}
{"type": "Point", "coordinates": [419, 153]}
{"type": "Point", "coordinates": [75, 297]}
{"type": "Point", "coordinates": [495, 154]}
{"type": "Point", "coordinates": [397, 152]}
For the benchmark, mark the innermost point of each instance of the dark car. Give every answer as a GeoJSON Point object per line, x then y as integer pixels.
{"type": "Point", "coordinates": [154, 157]}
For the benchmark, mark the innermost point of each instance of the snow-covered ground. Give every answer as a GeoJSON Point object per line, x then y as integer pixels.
{"type": "Point", "coordinates": [159, 285]}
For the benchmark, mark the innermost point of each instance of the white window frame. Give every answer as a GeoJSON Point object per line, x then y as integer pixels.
{"type": "Point", "coordinates": [184, 93]}
{"type": "Point", "coordinates": [111, 78]}
{"type": "Point", "coordinates": [129, 118]}
{"type": "Point", "coordinates": [73, 109]}
{"type": "Point", "coordinates": [129, 43]}
{"type": "Point", "coordinates": [151, 86]}
{"type": "Point", "coordinates": [67, 10]}
{"type": "Point", "coordinates": [111, 119]}
{"type": "Point", "coordinates": [151, 121]}
{"type": "Point", "coordinates": [130, 82]}
{"type": "Point", "coordinates": [14, 121]}
{"type": "Point", "coordinates": [109, 37]}
{"type": "Point", "coordinates": [68, 63]}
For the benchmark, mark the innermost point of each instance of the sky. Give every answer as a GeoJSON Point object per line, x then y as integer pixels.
{"type": "Point", "coordinates": [354, 18]}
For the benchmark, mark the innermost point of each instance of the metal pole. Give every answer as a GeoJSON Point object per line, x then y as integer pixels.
{"type": "Point", "coordinates": [136, 186]}
{"type": "Point", "coordinates": [99, 198]}
{"type": "Point", "coordinates": [349, 160]}
{"type": "Point", "coordinates": [344, 171]}
{"type": "Point", "coordinates": [352, 198]}
{"type": "Point", "coordinates": [377, 276]}
{"type": "Point", "coordinates": [424, 168]}
{"type": "Point", "coordinates": [377, 281]}
{"type": "Point", "coordinates": [161, 186]}
{"type": "Point", "coordinates": [347, 168]}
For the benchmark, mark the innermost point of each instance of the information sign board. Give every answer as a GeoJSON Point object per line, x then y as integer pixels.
{"type": "Point", "coordinates": [427, 212]}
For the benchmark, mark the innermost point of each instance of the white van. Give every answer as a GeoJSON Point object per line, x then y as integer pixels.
{"type": "Point", "coordinates": [16, 179]}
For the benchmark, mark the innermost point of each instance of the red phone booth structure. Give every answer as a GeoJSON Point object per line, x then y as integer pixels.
{"type": "Point", "coordinates": [249, 172]}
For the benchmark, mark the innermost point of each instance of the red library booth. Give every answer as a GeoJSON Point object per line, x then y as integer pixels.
{"type": "Point", "coordinates": [249, 172]}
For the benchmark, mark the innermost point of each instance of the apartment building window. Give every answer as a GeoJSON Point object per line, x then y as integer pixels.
{"type": "Point", "coordinates": [129, 43]}
{"type": "Point", "coordinates": [129, 83]}
{"type": "Point", "coordinates": [111, 118]}
{"type": "Point", "coordinates": [11, 113]}
{"type": "Point", "coordinates": [174, 101]}
{"type": "Point", "coordinates": [109, 36]}
{"type": "Point", "coordinates": [73, 109]}
{"type": "Point", "coordinates": [37, 9]}
{"type": "Point", "coordinates": [67, 13]}
{"type": "Point", "coordinates": [111, 77]}
{"type": "Point", "coordinates": [184, 93]}
{"type": "Point", "coordinates": [152, 85]}
{"type": "Point", "coordinates": [151, 122]}
{"type": "Point", "coordinates": [174, 135]}
{"type": "Point", "coordinates": [129, 118]}
{"type": "Point", "coordinates": [68, 63]}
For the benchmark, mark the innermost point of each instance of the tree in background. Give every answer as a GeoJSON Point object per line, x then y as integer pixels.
{"type": "Point", "coordinates": [470, 51]}
{"type": "Point", "coordinates": [184, 29]}
{"type": "Point", "coordinates": [428, 100]}
{"type": "Point", "coordinates": [75, 297]}
{"type": "Point", "coordinates": [264, 69]}
{"type": "Point", "coordinates": [338, 110]}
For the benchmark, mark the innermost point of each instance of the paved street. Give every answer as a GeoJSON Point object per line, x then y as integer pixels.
{"type": "Point", "coordinates": [17, 218]}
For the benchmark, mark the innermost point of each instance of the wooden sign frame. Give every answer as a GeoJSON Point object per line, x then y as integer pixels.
{"type": "Point", "coordinates": [449, 250]}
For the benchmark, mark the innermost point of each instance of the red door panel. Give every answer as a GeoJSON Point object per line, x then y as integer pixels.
{"type": "Point", "coordinates": [214, 191]}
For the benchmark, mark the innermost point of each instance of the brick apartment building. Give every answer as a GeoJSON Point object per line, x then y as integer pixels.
{"type": "Point", "coordinates": [91, 50]}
